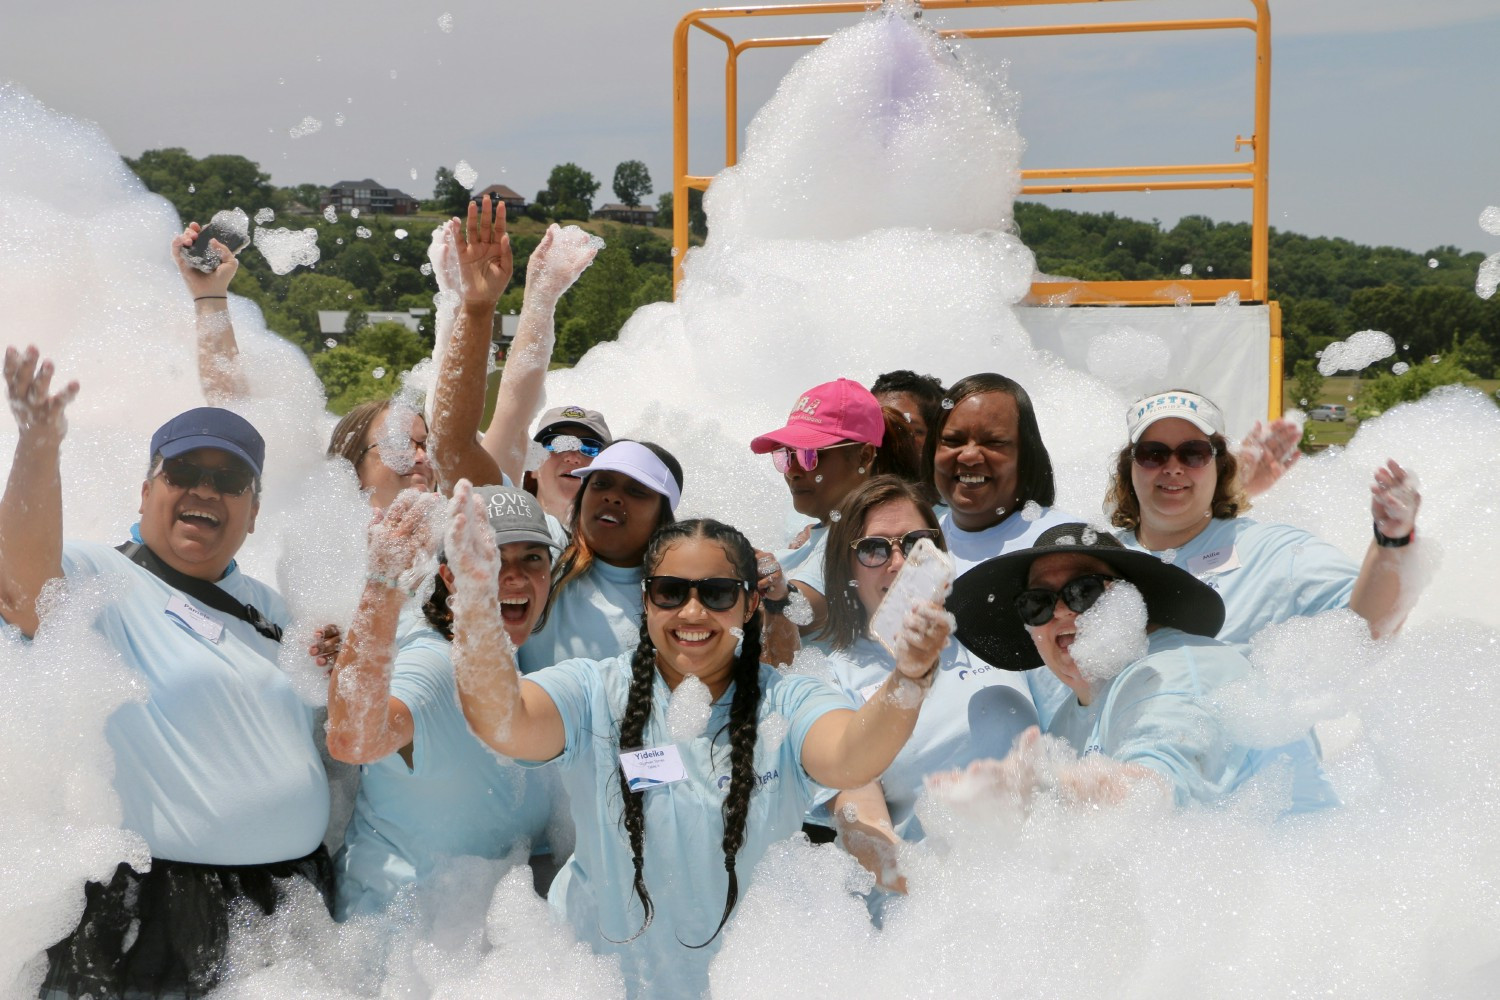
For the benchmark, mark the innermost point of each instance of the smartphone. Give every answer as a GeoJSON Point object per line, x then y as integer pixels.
{"type": "Point", "coordinates": [926, 576]}
{"type": "Point", "coordinates": [230, 227]}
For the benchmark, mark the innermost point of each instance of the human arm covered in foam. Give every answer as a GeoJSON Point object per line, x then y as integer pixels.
{"type": "Point", "coordinates": [515, 719]}
{"type": "Point", "coordinates": [477, 254]}
{"type": "Point", "coordinates": [31, 509]}
{"type": "Point", "coordinates": [555, 264]}
{"type": "Point", "coordinates": [365, 723]}
{"type": "Point", "coordinates": [220, 372]}
{"type": "Point", "coordinates": [850, 749]}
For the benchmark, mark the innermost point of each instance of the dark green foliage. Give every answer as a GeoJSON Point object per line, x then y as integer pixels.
{"type": "Point", "coordinates": [1387, 389]}
{"type": "Point", "coordinates": [1328, 288]}
{"type": "Point", "coordinates": [697, 218]}
{"type": "Point", "coordinates": [199, 188]}
{"type": "Point", "coordinates": [632, 182]}
{"type": "Point", "coordinates": [449, 196]}
{"type": "Point", "coordinates": [569, 193]}
{"type": "Point", "coordinates": [1308, 383]}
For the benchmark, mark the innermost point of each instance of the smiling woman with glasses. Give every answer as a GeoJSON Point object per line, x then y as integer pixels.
{"type": "Point", "coordinates": [836, 437]}
{"type": "Point", "coordinates": [1139, 679]}
{"type": "Point", "coordinates": [879, 525]}
{"type": "Point", "coordinates": [669, 825]}
{"type": "Point", "coordinates": [1177, 487]}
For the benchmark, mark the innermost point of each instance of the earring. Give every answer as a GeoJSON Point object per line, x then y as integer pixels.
{"type": "Point", "coordinates": [861, 470]}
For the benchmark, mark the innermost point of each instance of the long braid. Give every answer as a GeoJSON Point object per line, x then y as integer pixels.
{"type": "Point", "coordinates": [743, 716]}
{"type": "Point", "coordinates": [632, 729]}
{"type": "Point", "coordinates": [743, 730]}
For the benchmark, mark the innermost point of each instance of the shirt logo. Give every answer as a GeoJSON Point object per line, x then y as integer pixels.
{"type": "Point", "coordinates": [761, 780]}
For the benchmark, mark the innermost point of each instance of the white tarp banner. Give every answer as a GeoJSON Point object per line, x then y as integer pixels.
{"type": "Point", "coordinates": [1220, 351]}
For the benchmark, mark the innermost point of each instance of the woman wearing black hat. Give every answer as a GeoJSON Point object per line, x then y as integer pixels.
{"type": "Point", "coordinates": [1131, 638]}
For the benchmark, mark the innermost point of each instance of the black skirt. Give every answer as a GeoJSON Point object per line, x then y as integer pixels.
{"type": "Point", "coordinates": [166, 932]}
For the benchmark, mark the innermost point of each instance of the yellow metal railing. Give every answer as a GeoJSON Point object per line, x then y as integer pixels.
{"type": "Point", "coordinates": [1250, 175]}
{"type": "Point", "coordinates": [1241, 174]}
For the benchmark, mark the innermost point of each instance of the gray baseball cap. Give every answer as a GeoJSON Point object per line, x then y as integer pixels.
{"type": "Point", "coordinates": [514, 516]}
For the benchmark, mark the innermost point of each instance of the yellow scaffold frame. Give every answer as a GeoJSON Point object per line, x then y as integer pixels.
{"type": "Point", "coordinates": [1248, 175]}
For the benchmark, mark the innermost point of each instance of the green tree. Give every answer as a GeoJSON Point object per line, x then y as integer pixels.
{"type": "Point", "coordinates": [199, 188]}
{"type": "Point", "coordinates": [307, 294]}
{"type": "Point", "coordinates": [348, 377]}
{"type": "Point", "coordinates": [632, 182]}
{"type": "Point", "coordinates": [399, 348]}
{"type": "Point", "coordinates": [697, 218]}
{"type": "Point", "coordinates": [1308, 382]}
{"type": "Point", "coordinates": [600, 304]}
{"type": "Point", "coordinates": [1388, 389]}
{"type": "Point", "coordinates": [448, 195]}
{"type": "Point", "coordinates": [1474, 354]}
{"type": "Point", "coordinates": [569, 193]}
{"type": "Point", "coordinates": [306, 195]}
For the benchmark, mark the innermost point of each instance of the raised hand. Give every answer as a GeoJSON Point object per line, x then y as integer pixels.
{"type": "Point", "coordinates": [38, 411]}
{"type": "Point", "coordinates": [558, 260]}
{"type": "Point", "coordinates": [1394, 500]}
{"type": "Point", "coordinates": [405, 534]}
{"type": "Point", "coordinates": [772, 581]}
{"type": "Point", "coordinates": [470, 544]}
{"type": "Point", "coordinates": [923, 636]}
{"type": "Point", "coordinates": [199, 283]}
{"type": "Point", "coordinates": [483, 257]}
{"type": "Point", "coordinates": [1267, 452]}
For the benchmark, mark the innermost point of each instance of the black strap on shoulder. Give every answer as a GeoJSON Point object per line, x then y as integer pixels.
{"type": "Point", "coordinates": [214, 596]}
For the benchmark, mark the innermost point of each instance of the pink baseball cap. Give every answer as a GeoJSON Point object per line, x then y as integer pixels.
{"type": "Point", "coordinates": [841, 410]}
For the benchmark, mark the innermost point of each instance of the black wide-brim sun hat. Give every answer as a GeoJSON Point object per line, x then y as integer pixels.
{"type": "Point", "coordinates": [983, 599]}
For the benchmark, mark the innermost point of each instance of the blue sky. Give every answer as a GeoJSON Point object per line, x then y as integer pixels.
{"type": "Point", "coordinates": [1381, 123]}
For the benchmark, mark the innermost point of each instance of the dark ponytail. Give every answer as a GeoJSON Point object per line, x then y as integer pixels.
{"type": "Point", "coordinates": [743, 715]}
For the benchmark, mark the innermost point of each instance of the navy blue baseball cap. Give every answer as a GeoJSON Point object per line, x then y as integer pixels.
{"type": "Point", "coordinates": [210, 427]}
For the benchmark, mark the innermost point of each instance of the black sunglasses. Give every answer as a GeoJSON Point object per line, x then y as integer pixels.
{"type": "Point", "coordinates": [1037, 604]}
{"type": "Point", "coordinates": [875, 551]}
{"type": "Point", "coordinates": [1192, 454]}
{"type": "Point", "coordinates": [230, 480]}
{"type": "Point", "coordinates": [716, 594]}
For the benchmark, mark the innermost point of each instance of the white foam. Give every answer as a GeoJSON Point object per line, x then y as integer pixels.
{"type": "Point", "coordinates": [688, 709]}
{"type": "Point", "coordinates": [288, 249]}
{"type": "Point", "coordinates": [1111, 634]}
{"type": "Point", "coordinates": [1360, 351]}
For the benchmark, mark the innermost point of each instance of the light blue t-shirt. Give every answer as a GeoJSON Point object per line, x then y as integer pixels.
{"type": "Point", "coordinates": [594, 617]}
{"type": "Point", "coordinates": [970, 548]}
{"type": "Point", "coordinates": [458, 798]}
{"type": "Point", "coordinates": [805, 563]}
{"type": "Point", "coordinates": [684, 830]}
{"type": "Point", "coordinates": [218, 766]}
{"type": "Point", "coordinates": [1266, 573]}
{"type": "Point", "coordinates": [1158, 712]}
{"type": "Point", "coordinates": [966, 694]}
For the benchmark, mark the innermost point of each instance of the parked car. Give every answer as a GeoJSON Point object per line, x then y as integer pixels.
{"type": "Point", "coordinates": [1331, 412]}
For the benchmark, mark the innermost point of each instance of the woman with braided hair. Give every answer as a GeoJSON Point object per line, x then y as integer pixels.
{"type": "Point", "coordinates": [672, 816]}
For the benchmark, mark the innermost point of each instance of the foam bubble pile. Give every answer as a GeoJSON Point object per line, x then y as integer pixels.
{"type": "Point", "coordinates": [866, 228]}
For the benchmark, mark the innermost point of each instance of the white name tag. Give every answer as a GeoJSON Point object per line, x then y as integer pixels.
{"type": "Point", "coordinates": [1220, 560]}
{"type": "Point", "coordinates": [189, 617]}
{"type": "Point", "coordinates": [868, 691]}
{"type": "Point", "coordinates": [652, 768]}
